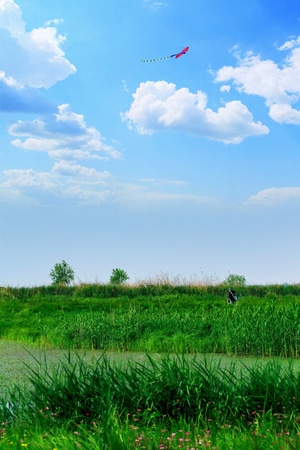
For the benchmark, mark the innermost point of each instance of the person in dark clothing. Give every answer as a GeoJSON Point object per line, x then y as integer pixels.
{"type": "Point", "coordinates": [232, 297]}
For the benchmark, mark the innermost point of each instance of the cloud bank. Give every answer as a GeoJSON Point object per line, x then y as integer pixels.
{"type": "Point", "coordinates": [38, 59]}
{"type": "Point", "coordinates": [64, 135]}
{"type": "Point", "coordinates": [160, 106]}
{"type": "Point", "coordinates": [278, 85]}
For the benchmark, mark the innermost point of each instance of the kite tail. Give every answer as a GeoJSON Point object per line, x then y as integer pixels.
{"type": "Point", "coordinates": [155, 59]}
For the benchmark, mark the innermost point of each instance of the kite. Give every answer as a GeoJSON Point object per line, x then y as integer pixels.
{"type": "Point", "coordinates": [176, 55]}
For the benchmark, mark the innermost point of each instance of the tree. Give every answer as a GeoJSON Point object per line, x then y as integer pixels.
{"type": "Point", "coordinates": [235, 280]}
{"type": "Point", "coordinates": [62, 273]}
{"type": "Point", "coordinates": [118, 276]}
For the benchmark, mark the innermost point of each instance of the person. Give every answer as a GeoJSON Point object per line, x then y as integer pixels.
{"type": "Point", "coordinates": [232, 297]}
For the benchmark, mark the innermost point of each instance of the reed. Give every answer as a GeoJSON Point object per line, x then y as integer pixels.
{"type": "Point", "coordinates": [161, 403]}
{"type": "Point", "coordinates": [269, 330]}
{"type": "Point", "coordinates": [166, 323]}
{"type": "Point", "coordinates": [168, 388]}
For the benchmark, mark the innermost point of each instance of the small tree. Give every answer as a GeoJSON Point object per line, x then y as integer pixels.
{"type": "Point", "coordinates": [235, 280]}
{"type": "Point", "coordinates": [118, 276]}
{"type": "Point", "coordinates": [62, 273]}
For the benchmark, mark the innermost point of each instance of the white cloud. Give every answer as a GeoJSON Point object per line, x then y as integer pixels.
{"type": "Point", "coordinates": [64, 135]}
{"type": "Point", "coordinates": [33, 58]}
{"type": "Point", "coordinates": [29, 178]}
{"type": "Point", "coordinates": [277, 84]}
{"type": "Point", "coordinates": [69, 180]}
{"type": "Point", "coordinates": [153, 5]}
{"type": "Point", "coordinates": [159, 105]}
{"type": "Point", "coordinates": [273, 196]}
{"type": "Point", "coordinates": [54, 22]}
{"type": "Point", "coordinates": [284, 114]}
{"type": "Point", "coordinates": [72, 169]}
{"type": "Point", "coordinates": [225, 88]}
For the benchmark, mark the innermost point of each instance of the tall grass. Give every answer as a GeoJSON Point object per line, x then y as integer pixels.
{"type": "Point", "coordinates": [124, 406]}
{"type": "Point", "coordinates": [268, 330]}
{"type": "Point", "coordinates": [153, 319]}
{"type": "Point", "coordinates": [150, 287]}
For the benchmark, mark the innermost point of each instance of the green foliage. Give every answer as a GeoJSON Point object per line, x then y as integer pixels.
{"type": "Point", "coordinates": [118, 276]}
{"type": "Point", "coordinates": [62, 274]}
{"type": "Point", "coordinates": [130, 320]}
{"type": "Point", "coordinates": [150, 293]}
{"type": "Point", "coordinates": [195, 391]}
{"type": "Point", "coordinates": [235, 280]}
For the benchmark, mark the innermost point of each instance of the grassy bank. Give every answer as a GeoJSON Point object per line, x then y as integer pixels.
{"type": "Point", "coordinates": [265, 321]}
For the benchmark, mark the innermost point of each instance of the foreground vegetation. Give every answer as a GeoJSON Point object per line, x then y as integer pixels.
{"type": "Point", "coordinates": [172, 402]}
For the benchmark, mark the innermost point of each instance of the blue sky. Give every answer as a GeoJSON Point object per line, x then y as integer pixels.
{"type": "Point", "coordinates": [183, 167]}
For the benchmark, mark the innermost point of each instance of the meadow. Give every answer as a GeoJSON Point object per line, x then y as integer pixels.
{"type": "Point", "coordinates": [185, 398]}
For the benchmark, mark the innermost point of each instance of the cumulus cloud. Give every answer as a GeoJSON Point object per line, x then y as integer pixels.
{"type": "Point", "coordinates": [273, 196]}
{"type": "Point", "coordinates": [159, 106]}
{"type": "Point", "coordinates": [284, 113]}
{"type": "Point", "coordinates": [69, 180]}
{"type": "Point", "coordinates": [16, 98]}
{"type": "Point", "coordinates": [278, 84]}
{"type": "Point", "coordinates": [38, 59]}
{"type": "Point", "coordinates": [64, 135]}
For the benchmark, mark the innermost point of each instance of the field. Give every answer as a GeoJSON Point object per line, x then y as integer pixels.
{"type": "Point", "coordinates": [176, 392]}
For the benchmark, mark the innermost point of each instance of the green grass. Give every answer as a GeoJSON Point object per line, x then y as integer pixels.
{"type": "Point", "coordinates": [172, 403]}
{"type": "Point", "coordinates": [197, 320]}
{"type": "Point", "coordinates": [127, 436]}
{"type": "Point", "coordinates": [168, 402]}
